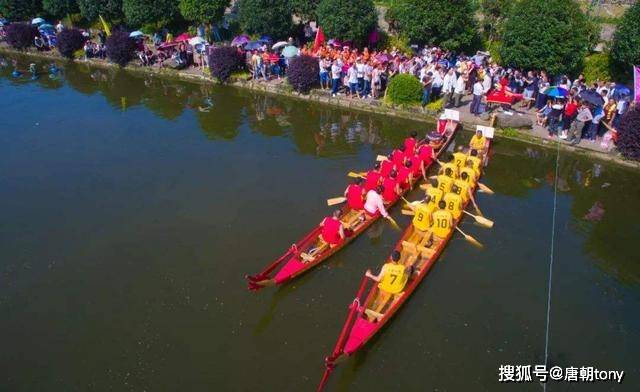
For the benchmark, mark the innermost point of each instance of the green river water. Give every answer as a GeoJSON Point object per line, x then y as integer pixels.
{"type": "Point", "coordinates": [133, 206]}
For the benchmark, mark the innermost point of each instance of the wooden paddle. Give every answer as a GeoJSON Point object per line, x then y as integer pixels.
{"type": "Point", "coordinates": [469, 238]}
{"type": "Point", "coordinates": [488, 223]}
{"type": "Point", "coordinates": [356, 175]}
{"type": "Point", "coordinates": [408, 212]}
{"type": "Point", "coordinates": [393, 223]}
{"type": "Point", "coordinates": [485, 188]}
{"type": "Point", "coordinates": [336, 200]}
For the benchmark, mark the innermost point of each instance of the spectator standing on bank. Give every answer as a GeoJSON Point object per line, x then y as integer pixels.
{"type": "Point", "coordinates": [458, 90]}
{"type": "Point", "coordinates": [478, 93]}
{"type": "Point", "coordinates": [448, 85]}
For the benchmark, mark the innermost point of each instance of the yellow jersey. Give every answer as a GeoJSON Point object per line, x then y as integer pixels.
{"type": "Point", "coordinates": [454, 204]}
{"type": "Point", "coordinates": [459, 158]}
{"type": "Point", "coordinates": [444, 183]}
{"type": "Point", "coordinates": [471, 175]}
{"type": "Point", "coordinates": [449, 165]}
{"type": "Point", "coordinates": [435, 194]}
{"type": "Point", "coordinates": [477, 162]}
{"type": "Point", "coordinates": [394, 278]}
{"type": "Point", "coordinates": [422, 218]}
{"type": "Point", "coordinates": [442, 223]}
{"type": "Point", "coordinates": [463, 189]}
{"type": "Point", "coordinates": [478, 143]}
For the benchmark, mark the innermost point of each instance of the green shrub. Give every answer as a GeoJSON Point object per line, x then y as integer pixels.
{"type": "Point", "coordinates": [404, 89]}
{"type": "Point", "coordinates": [399, 42]}
{"type": "Point", "coordinates": [597, 67]}
{"type": "Point", "coordinates": [435, 106]}
{"type": "Point", "coordinates": [625, 51]}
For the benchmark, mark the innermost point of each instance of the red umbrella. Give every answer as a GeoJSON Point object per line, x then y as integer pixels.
{"type": "Point", "coordinates": [182, 37]}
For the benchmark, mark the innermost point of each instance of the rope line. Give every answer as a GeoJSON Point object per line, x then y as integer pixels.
{"type": "Point", "coordinates": [551, 258]}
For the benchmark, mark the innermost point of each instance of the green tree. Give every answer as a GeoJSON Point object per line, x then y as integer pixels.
{"type": "Point", "coordinates": [493, 14]}
{"type": "Point", "coordinates": [140, 12]}
{"type": "Point", "coordinates": [20, 10]}
{"type": "Point", "coordinates": [625, 51]}
{"type": "Point", "coordinates": [305, 9]}
{"type": "Point", "coordinates": [347, 20]}
{"type": "Point", "coordinates": [552, 35]}
{"type": "Point", "coordinates": [60, 8]}
{"type": "Point", "coordinates": [270, 17]}
{"type": "Point", "coordinates": [109, 9]}
{"type": "Point", "coordinates": [447, 23]}
{"type": "Point", "coordinates": [203, 10]}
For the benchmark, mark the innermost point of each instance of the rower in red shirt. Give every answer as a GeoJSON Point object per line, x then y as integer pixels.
{"type": "Point", "coordinates": [417, 166]}
{"type": "Point", "coordinates": [386, 167]}
{"type": "Point", "coordinates": [332, 230]}
{"type": "Point", "coordinates": [391, 190]}
{"type": "Point", "coordinates": [373, 178]}
{"type": "Point", "coordinates": [405, 176]}
{"type": "Point", "coordinates": [355, 195]}
{"type": "Point", "coordinates": [425, 152]}
{"type": "Point", "coordinates": [410, 143]}
{"type": "Point", "coordinates": [397, 156]}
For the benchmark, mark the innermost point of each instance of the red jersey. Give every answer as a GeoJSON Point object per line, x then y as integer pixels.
{"type": "Point", "coordinates": [372, 180]}
{"type": "Point", "coordinates": [386, 167]}
{"type": "Point", "coordinates": [389, 194]}
{"type": "Point", "coordinates": [355, 199]}
{"type": "Point", "coordinates": [416, 167]}
{"type": "Point", "coordinates": [403, 177]}
{"type": "Point", "coordinates": [331, 230]}
{"type": "Point", "coordinates": [397, 156]}
{"type": "Point", "coordinates": [570, 109]}
{"type": "Point", "coordinates": [426, 154]}
{"type": "Point", "coordinates": [409, 146]}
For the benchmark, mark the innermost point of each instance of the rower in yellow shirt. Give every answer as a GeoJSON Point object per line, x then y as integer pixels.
{"type": "Point", "coordinates": [433, 192]}
{"type": "Point", "coordinates": [442, 221]}
{"type": "Point", "coordinates": [469, 175]}
{"type": "Point", "coordinates": [462, 188]}
{"type": "Point", "coordinates": [459, 157]}
{"type": "Point", "coordinates": [476, 162]}
{"type": "Point", "coordinates": [478, 142]}
{"type": "Point", "coordinates": [445, 181]}
{"type": "Point", "coordinates": [422, 220]}
{"type": "Point", "coordinates": [450, 169]}
{"type": "Point", "coordinates": [391, 281]}
{"type": "Point", "coordinates": [454, 202]}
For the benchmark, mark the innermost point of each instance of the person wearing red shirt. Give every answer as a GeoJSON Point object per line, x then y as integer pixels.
{"type": "Point", "coordinates": [425, 152]}
{"type": "Point", "coordinates": [372, 180]}
{"type": "Point", "coordinates": [397, 156]}
{"type": "Point", "coordinates": [568, 116]}
{"type": "Point", "coordinates": [405, 176]}
{"type": "Point", "coordinates": [332, 230]}
{"type": "Point", "coordinates": [417, 166]}
{"type": "Point", "coordinates": [410, 143]}
{"type": "Point", "coordinates": [355, 195]}
{"type": "Point", "coordinates": [391, 190]}
{"type": "Point", "coordinates": [386, 167]}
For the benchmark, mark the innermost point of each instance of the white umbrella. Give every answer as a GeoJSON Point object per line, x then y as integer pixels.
{"type": "Point", "coordinates": [136, 34]}
{"type": "Point", "coordinates": [279, 44]}
{"type": "Point", "coordinates": [37, 21]}
{"type": "Point", "coordinates": [196, 41]}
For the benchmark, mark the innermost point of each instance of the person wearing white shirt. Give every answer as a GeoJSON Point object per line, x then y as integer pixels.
{"type": "Point", "coordinates": [478, 92]}
{"type": "Point", "coordinates": [336, 72]}
{"type": "Point", "coordinates": [448, 84]}
{"type": "Point", "coordinates": [458, 89]}
{"type": "Point", "coordinates": [486, 83]}
{"type": "Point", "coordinates": [436, 84]}
{"type": "Point", "coordinates": [374, 204]}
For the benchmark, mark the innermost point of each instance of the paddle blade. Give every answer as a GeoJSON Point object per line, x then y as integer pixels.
{"type": "Point", "coordinates": [485, 188]}
{"type": "Point", "coordinates": [336, 200]}
{"type": "Point", "coordinates": [381, 158]}
{"type": "Point", "coordinates": [355, 175]}
{"type": "Point", "coordinates": [394, 224]}
{"type": "Point", "coordinates": [408, 212]}
{"type": "Point", "coordinates": [473, 241]}
{"type": "Point", "coordinates": [484, 221]}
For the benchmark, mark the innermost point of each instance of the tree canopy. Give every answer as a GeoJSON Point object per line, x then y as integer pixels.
{"type": "Point", "coordinates": [203, 10]}
{"type": "Point", "coordinates": [60, 8]}
{"type": "Point", "coordinates": [625, 50]}
{"type": "Point", "coordinates": [109, 9]}
{"type": "Point", "coordinates": [447, 23]}
{"type": "Point", "coordinates": [270, 17]}
{"type": "Point", "coordinates": [305, 9]}
{"type": "Point", "coordinates": [347, 20]}
{"type": "Point", "coordinates": [551, 35]}
{"type": "Point", "coordinates": [20, 10]}
{"type": "Point", "coordinates": [140, 12]}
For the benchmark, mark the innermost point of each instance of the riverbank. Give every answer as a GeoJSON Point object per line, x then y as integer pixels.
{"type": "Point", "coordinates": [281, 88]}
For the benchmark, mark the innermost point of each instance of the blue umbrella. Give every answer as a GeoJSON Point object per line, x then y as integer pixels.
{"type": "Point", "coordinates": [253, 45]}
{"type": "Point", "coordinates": [37, 21]}
{"type": "Point", "coordinates": [136, 34]}
{"type": "Point", "coordinates": [621, 91]}
{"type": "Point", "coordinates": [557, 92]}
{"type": "Point", "coordinates": [290, 51]}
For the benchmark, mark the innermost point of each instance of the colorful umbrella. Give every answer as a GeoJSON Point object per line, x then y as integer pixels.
{"type": "Point", "coordinates": [290, 51]}
{"type": "Point", "coordinates": [591, 97]}
{"type": "Point", "coordinates": [37, 21]}
{"type": "Point", "coordinates": [557, 92]}
{"type": "Point", "coordinates": [196, 41]}
{"type": "Point", "coordinates": [45, 26]}
{"type": "Point", "coordinates": [279, 45]}
{"type": "Point", "coordinates": [240, 40]}
{"type": "Point", "coordinates": [334, 42]}
{"type": "Point", "coordinates": [265, 38]}
{"type": "Point", "coordinates": [621, 91]}
{"type": "Point", "coordinates": [184, 37]}
{"type": "Point", "coordinates": [135, 34]}
{"type": "Point", "coordinates": [253, 45]}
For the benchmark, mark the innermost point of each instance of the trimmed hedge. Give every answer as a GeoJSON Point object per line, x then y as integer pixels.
{"type": "Point", "coordinates": [70, 41]}
{"type": "Point", "coordinates": [404, 89]}
{"type": "Point", "coordinates": [120, 47]}
{"type": "Point", "coordinates": [223, 61]}
{"type": "Point", "coordinates": [303, 72]}
{"type": "Point", "coordinates": [628, 142]}
{"type": "Point", "coordinates": [21, 35]}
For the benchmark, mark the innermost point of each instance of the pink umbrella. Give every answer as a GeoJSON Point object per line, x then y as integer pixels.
{"type": "Point", "coordinates": [334, 42]}
{"type": "Point", "coordinates": [182, 37]}
{"type": "Point", "coordinates": [240, 40]}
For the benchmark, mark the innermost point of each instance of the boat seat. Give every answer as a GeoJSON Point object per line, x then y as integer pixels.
{"type": "Point", "coordinates": [426, 252]}
{"type": "Point", "coordinates": [353, 221]}
{"type": "Point", "coordinates": [373, 314]}
{"type": "Point", "coordinates": [409, 247]}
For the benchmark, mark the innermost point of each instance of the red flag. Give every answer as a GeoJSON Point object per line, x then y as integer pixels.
{"type": "Point", "coordinates": [319, 40]}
